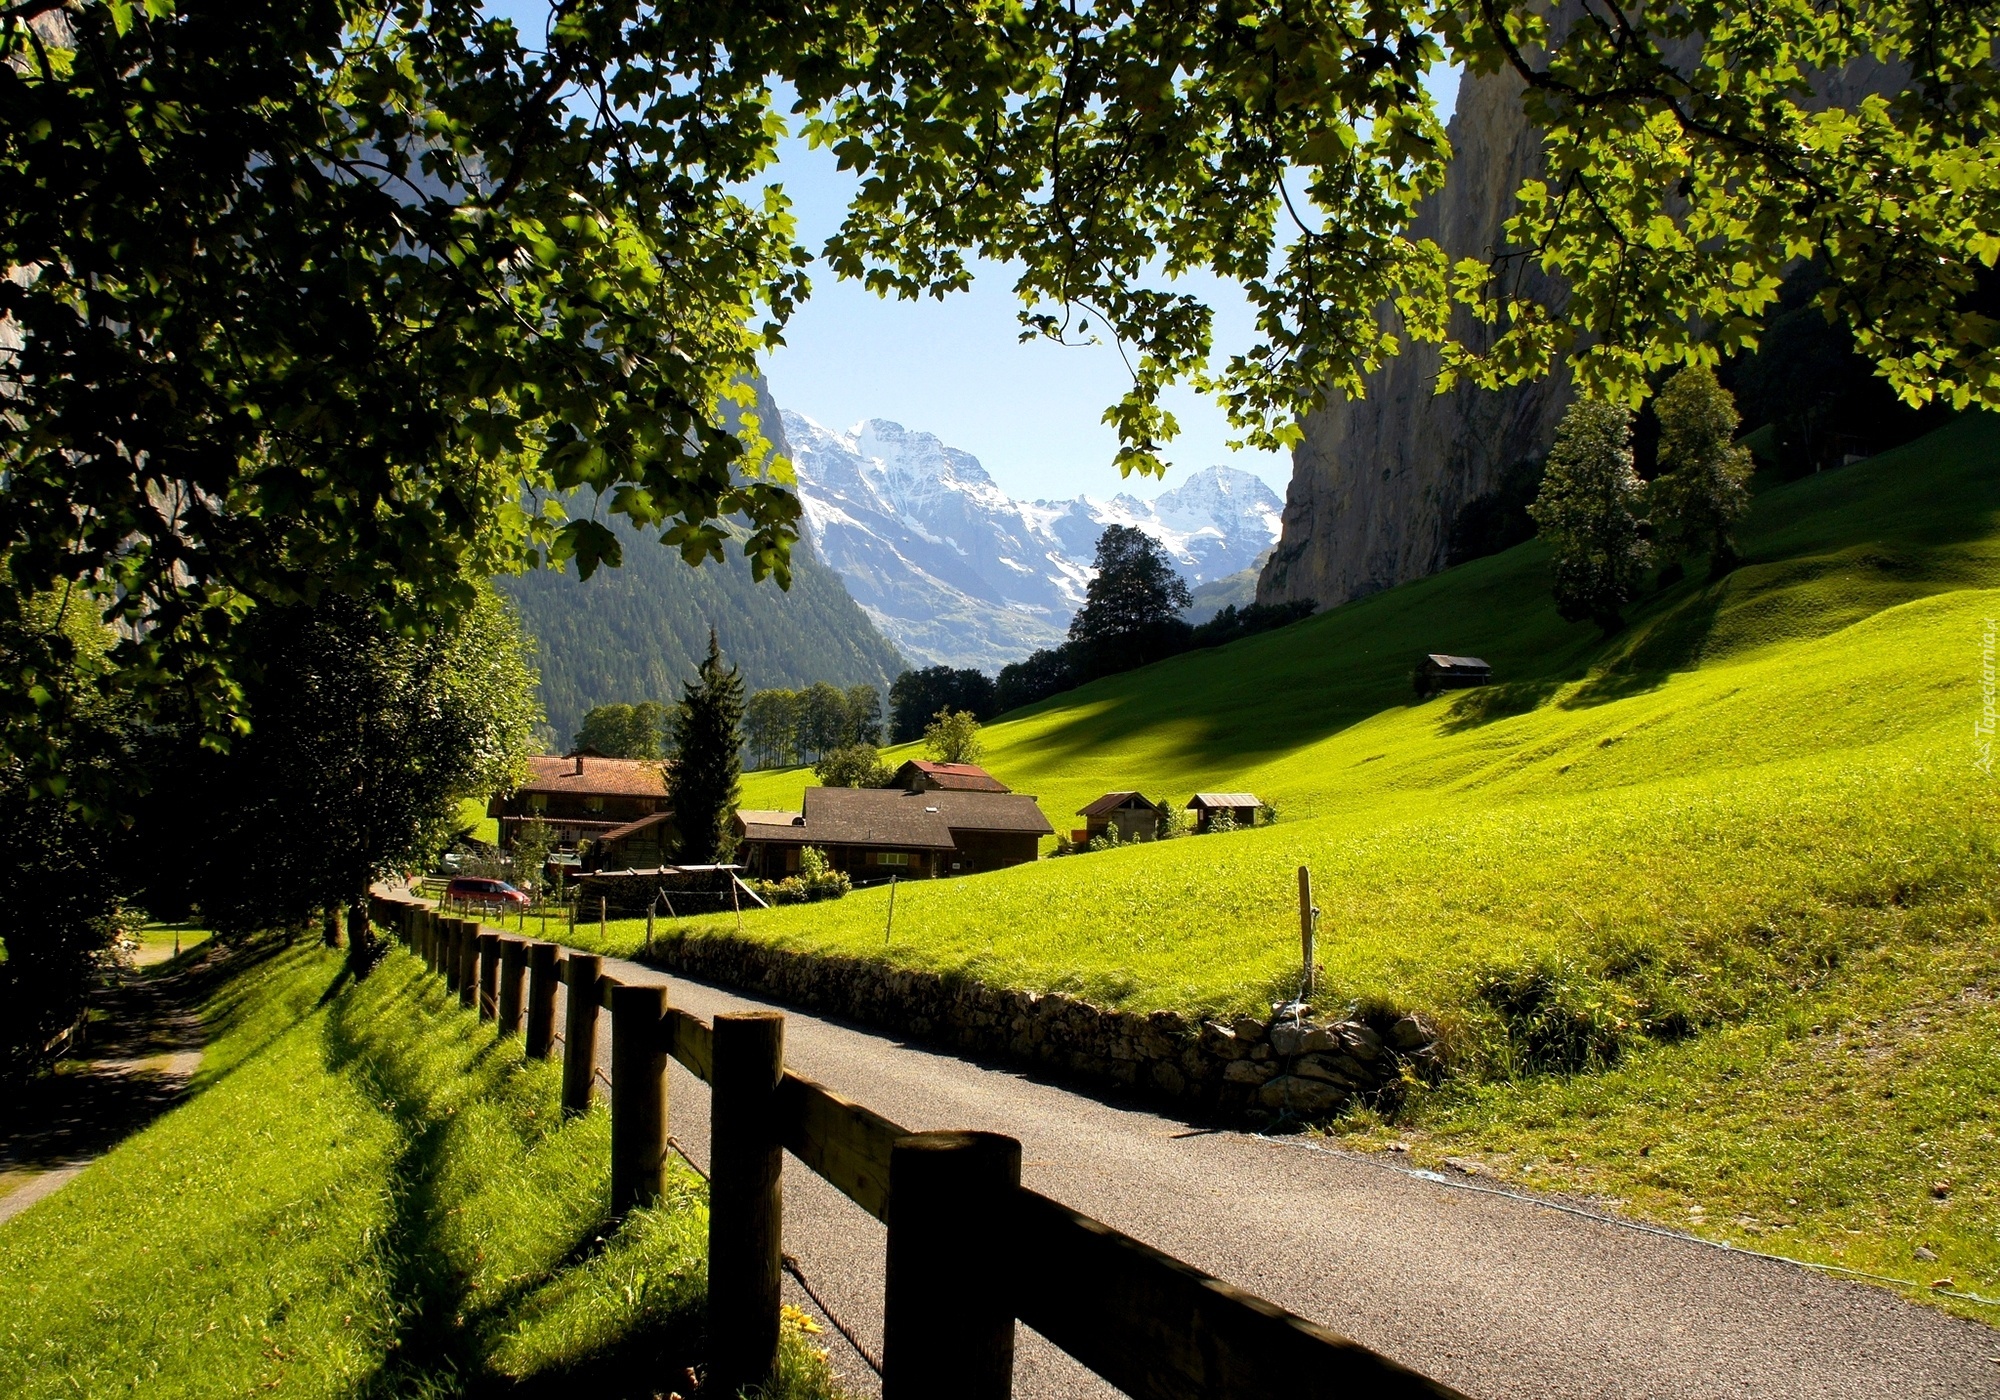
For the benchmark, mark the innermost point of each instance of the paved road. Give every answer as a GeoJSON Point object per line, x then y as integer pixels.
{"type": "Point", "coordinates": [1494, 1295]}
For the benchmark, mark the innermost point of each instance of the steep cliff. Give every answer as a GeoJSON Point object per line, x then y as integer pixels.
{"type": "Point", "coordinates": [1378, 480]}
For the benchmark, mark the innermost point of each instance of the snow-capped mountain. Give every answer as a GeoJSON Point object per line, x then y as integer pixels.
{"type": "Point", "coordinates": [957, 572]}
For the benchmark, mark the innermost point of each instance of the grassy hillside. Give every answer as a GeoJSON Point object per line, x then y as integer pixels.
{"type": "Point", "coordinates": [367, 1197]}
{"type": "Point", "coordinates": [1704, 913]}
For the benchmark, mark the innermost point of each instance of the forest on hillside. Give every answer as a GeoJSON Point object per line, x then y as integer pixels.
{"type": "Point", "coordinates": [638, 631]}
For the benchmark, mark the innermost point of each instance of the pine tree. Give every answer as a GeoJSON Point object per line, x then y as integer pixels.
{"type": "Point", "coordinates": [1131, 610]}
{"type": "Point", "coordinates": [702, 784]}
{"type": "Point", "coordinates": [1588, 511]}
{"type": "Point", "coordinates": [1705, 487]}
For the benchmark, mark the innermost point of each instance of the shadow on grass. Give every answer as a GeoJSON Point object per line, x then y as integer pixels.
{"type": "Point", "coordinates": [403, 1042]}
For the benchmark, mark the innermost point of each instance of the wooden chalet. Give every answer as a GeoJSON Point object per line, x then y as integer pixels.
{"type": "Point", "coordinates": [920, 775]}
{"type": "Point", "coordinates": [1437, 671]}
{"type": "Point", "coordinates": [584, 796]}
{"type": "Point", "coordinates": [1133, 815]}
{"type": "Point", "coordinates": [1241, 806]}
{"type": "Point", "coordinates": [640, 845]}
{"type": "Point", "coordinates": [873, 833]}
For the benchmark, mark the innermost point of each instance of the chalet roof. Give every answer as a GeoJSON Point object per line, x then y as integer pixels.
{"type": "Point", "coordinates": [619, 833]}
{"type": "Point", "coordinates": [1112, 801]}
{"type": "Point", "coordinates": [892, 818]}
{"type": "Point", "coordinates": [596, 777]}
{"type": "Point", "coordinates": [951, 777]}
{"type": "Point", "coordinates": [1224, 799]}
{"type": "Point", "coordinates": [1013, 812]}
{"type": "Point", "coordinates": [1456, 663]}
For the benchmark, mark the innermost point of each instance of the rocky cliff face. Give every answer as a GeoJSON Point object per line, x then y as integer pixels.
{"type": "Point", "coordinates": [1378, 481]}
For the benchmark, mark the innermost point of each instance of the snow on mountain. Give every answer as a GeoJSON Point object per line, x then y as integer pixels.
{"type": "Point", "coordinates": [957, 572]}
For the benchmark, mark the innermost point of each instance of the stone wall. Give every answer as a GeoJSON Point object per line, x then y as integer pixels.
{"type": "Point", "coordinates": [1290, 1065]}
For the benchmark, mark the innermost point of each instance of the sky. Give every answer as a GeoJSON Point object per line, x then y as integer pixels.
{"type": "Point", "coordinates": [1030, 412]}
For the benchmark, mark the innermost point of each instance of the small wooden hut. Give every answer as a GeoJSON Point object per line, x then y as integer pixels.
{"type": "Point", "coordinates": [1133, 815]}
{"type": "Point", "coordinates": [1242, 808]}
{"type": "Point", "coordinates": [1437, 671]}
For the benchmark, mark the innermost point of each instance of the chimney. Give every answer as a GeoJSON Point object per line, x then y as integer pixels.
{"type": "Point", "coordinates": [579, 765]}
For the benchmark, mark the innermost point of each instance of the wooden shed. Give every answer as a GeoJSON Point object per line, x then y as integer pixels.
{"type": "Point", "coordinates": [1242, 808]}
{"type": "Point", "coordinates": [1133, 815]}
{"type": "Point", "coordinates": [1437, 671]}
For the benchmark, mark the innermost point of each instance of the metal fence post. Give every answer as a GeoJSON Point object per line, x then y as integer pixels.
{"type": "Point", "coordinates": [513, 964]}
{"type": "Point", "coordinates": [489, 975]}
{"type": "Point", "coordinates": [638, 1096]}
{"type": "Point", "coordinates": [745, 1205]}
{"type": "Point", "coordinates": [948, 1318]}
{"type": "Point", "coordinates": [580, 1033]}
{"type": "Point", "coordinates": [541, 1032]}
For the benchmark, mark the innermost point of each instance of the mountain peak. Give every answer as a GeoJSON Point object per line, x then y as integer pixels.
{"type": "Point", "coordinates": [957, 572]}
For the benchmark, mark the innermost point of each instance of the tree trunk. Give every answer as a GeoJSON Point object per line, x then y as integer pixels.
{"type": "Point", "coordinates": [360, 935]}
{"type": "Point", "coordinates": [330, 928]}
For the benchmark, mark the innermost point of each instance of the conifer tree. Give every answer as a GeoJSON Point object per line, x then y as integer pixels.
{"type": "Point", "coordinates": [702, 784]}
{"type": "Point", "coordinates": [1705, 486]}
{"type": "Point", "coordinates": [1588, 511]}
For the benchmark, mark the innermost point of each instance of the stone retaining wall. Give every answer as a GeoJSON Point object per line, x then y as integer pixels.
{"type": "Point", "coordinates": [1290, 1064]}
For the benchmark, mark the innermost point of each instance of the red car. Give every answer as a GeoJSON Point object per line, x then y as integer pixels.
{"type": "Point", "coordinates": [493, 894]}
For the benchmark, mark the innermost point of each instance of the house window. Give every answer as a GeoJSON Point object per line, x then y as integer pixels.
{"type": "Point", "coordinates": [594, 804]}
{"type": "Point", "coordinates": [538, 802]}
{"type": "Point", "coordinates": [888, 857]}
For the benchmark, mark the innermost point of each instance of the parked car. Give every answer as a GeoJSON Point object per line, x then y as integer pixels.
{"type": "Point", "coordinates": [493, 894]}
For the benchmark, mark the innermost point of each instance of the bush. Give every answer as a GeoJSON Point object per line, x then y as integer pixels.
{"type": "Point", "coordinates": [855, 766]}
{"type": "Point", "coordinates": [815, 881]}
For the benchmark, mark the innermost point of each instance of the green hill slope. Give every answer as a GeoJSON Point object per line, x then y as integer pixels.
{"type": "Point", "coordinates": [1704, 913]}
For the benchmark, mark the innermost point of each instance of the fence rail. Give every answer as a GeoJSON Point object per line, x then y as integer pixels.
{"type": "Point", "coordinates": [970, 1249]}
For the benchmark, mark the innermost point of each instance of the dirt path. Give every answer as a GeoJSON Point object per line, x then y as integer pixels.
{"type": "Point", "coordinates": [143, 1048]}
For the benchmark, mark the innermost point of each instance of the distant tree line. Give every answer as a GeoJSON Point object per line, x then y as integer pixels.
{"type": "Point", "coordinates": [783, 728]}
{"type": "Point", "coordinates": [1131, 617]}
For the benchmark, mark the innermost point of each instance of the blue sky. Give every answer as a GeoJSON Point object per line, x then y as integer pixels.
{"type": "Point", "coordinates": [1031, 413]}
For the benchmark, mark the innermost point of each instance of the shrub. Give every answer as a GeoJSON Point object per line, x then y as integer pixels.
{"type": "Point", "coordinates": [854, 766]}
{"type": "Point", "coordinates": [1588, 511]}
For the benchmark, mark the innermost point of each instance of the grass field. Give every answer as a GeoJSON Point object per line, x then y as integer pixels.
{"type": "Point", "coordinates": [1703, 912]}
{"type": "Point", "coordinates": [368, 1196]}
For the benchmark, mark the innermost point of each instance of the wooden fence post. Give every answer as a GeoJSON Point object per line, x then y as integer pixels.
{"type": "Point", "coordinates": [489, 975]}
{"type": "Point", "coordinates": [745, 1206]}
{"type": "Point", "coordinates": [513, 963]}
{"type": "Point", "coordinates": [948, 1318]}
{"type": "Point", "coordinates": [468, 963]}
{"type": "Point", "coordinates": [580, 1033]}
{"type": "Point", "coordinates": [541, 1032]}
{"type": "Point", "coordinates": [448, 950]}
{"type": "Point", "coordinates": [1308, 921]}
{"type": "Point", "coordinates": [638, 1096]}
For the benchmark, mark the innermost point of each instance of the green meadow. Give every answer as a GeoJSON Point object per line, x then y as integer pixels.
{"type": "Point", "coordinates": [367, 1195]}
{"type": "Point", "coordinates": [1702, 913]}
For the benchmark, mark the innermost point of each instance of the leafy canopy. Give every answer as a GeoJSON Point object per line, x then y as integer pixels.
{"type": "Point", "coordinates": [309, 292]}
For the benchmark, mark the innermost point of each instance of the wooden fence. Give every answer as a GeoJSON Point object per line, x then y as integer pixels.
{"type": "Point", "coordinates": [970, 1250]}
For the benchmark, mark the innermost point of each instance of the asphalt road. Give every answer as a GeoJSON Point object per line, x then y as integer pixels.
{"type": "Point", "coordinates": [1496, 1296]}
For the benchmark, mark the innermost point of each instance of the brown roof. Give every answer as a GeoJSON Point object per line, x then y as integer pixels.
{"type": "Point", "coordinates": [991, 811]}
{"type": "Point", "coordinates": [619, 833]}
{"type": "Point", "coordinates": [599, 777]}
{"type": "Point", "coordinates": [754, 824]}
{"type": "Point", "coordinates": [889, 817]}
{"type": "Point", "coordinates": [1224, 799]}
{"type": "Point", "coordinates": [953, 777]}
{"type": "Point", "coordinates": [1112, 801]}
